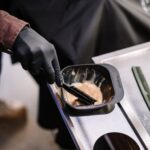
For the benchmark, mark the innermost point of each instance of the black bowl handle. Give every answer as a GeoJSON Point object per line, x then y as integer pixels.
{"type": "Point", "coordinates": [116, 81]}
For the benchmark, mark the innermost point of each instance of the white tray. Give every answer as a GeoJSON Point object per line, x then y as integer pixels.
{"type": "Point", "coordinates": [134, 104]}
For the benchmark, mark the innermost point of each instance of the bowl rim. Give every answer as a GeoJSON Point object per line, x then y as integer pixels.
{"type": "Point", "coordinates": [113, 101]}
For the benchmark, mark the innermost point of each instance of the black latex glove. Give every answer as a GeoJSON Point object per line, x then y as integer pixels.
{"type": "Point", "coordinates": [36, 54]}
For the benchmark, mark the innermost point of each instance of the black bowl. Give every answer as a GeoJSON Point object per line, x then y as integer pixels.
{"type": "Point", "coordinates": [105, 76]}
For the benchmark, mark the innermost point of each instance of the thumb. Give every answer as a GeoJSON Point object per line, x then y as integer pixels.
{"type": "Point", "coordinates": [58, 75]}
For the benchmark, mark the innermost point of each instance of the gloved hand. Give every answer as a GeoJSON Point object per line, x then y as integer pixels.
{"type": "Point", "coordinates": [36, 54]}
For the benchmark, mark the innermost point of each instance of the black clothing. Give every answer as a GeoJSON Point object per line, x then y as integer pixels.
{"type": "Point", "coordinates": [61, 22]}
{"type": "Point", "coordinates": [81, 29]}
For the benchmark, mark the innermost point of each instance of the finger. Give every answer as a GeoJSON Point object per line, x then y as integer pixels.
{"type": "Point", "coordinates": [58, 75]}
{"type": "Point", "coordinates": [35, 67]}
{"type": "Point", "coordinates": [49, 71]}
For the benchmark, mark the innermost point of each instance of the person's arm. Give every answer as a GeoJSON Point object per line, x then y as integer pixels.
{"type": "Point", "coordinates": [34, 52]}
{"type": "Point", "coordinates": [10, 27]}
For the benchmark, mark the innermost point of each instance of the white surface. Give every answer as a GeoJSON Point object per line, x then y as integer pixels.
{"type": "Point", "coordinates": [90, 128]}
{"type": "Point", "coordinates": [16, 84]}
{"type": "Point", "coordinates": [134, 106]}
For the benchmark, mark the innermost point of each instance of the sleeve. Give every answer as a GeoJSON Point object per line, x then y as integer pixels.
{"type": "Point", "coordinates": [10, 27]}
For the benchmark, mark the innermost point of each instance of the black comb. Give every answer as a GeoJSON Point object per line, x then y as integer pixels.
{"type": "Point", "coordinates": [83, 97]}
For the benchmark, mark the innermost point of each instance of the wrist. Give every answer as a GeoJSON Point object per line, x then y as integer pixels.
{"type": "Point", "coordinates": [10, 28]}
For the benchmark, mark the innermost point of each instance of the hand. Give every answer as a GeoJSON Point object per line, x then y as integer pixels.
{"type": "Point", "coordinates": [36, 54]}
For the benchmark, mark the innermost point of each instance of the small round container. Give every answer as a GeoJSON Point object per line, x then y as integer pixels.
{"type": "Point", "coordinates": [104, 76]}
